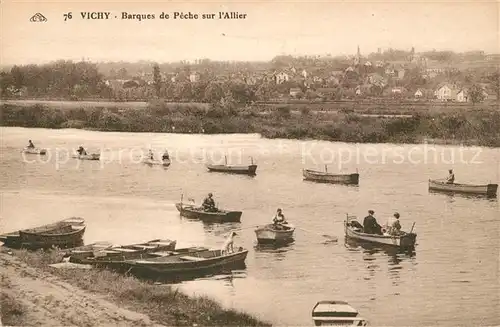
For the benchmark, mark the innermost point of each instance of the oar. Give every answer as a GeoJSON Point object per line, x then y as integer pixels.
{"type": "Point", "coordinates": [412, 227]}
{"type": "Point", "coordinates": [331, 238]}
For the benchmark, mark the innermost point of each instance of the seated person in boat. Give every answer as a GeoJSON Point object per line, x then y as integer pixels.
{"type": "Point", "coordinates": [81, 151]}
{"type": "Point", "coordinates": [370, 225]}
{"type": "Point", "coordinates": [209, 204]}
{"type": "Point", "coordinates": [393, 225]}
{"type": "Point", "coordinates": [151, 155]}
{"type": "Point", "coordinates": [31, 145]}
{"type": "Point", "coordinates": [279, 220]}
{"type": "Point", "coordinates": [451, 177]}
{"type": "Point", "coordinates": [165, 156]}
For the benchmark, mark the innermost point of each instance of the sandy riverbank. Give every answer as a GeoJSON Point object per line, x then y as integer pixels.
{"type": "Point", "coordinates": [33, 293]}
{"type": "Point", "coordinates": [30, 297]}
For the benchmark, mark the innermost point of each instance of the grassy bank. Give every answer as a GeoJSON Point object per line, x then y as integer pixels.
{"type": "Point", "coordinates": [473, 127]}
{"type": "Point", "coordinates": [12, 311]}
{"type": "Point", "coordinates": [161, 303]}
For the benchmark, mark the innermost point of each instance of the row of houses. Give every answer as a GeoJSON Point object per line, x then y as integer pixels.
{"type": "Point", "coordinates": [444, 92]}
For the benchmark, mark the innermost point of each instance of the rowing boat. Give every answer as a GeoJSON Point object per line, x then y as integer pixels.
{"type": "Point", "coordinates": [63, 234]}
{"type": "Point", "coordinates": [195, 212]}
{"type": "Point", "coordinates": [326, 177]}
{"type": "Point", "coordinates": [152, 162]}
{"type": "Point", "coordinates": [90, 156]}
{"type": "Point", "coordinates": [240, 169]}
{"type": "Point", "coordinates": [123, 263]}
{"type": "Point", "coordinates": [120, 253]}
{"type": "Point", "coordinates": [34, 151]}
{"type": "Point", "coordinates": [189, 263]}
{"type": "Point", "coordinates": [234, 169]}
{"type": "Point", "coordinates": [271, 234]}
{"type": "Point", "coordinates": [486, 189]}
{"type": "Point", "coordinates": [87, 250]}
{"type": "Point", "coordinates": [352, 230]}
{"type": "Point", "coordinates": [336, 313]}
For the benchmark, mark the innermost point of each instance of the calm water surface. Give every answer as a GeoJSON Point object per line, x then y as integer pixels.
{"type": "Point", "coordinates": [452, 278]}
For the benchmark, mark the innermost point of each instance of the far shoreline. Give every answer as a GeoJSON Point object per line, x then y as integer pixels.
{"type": "Point", "coordinates": [443, 142]}
{"type": "Point", "coordinates": [459, 128]}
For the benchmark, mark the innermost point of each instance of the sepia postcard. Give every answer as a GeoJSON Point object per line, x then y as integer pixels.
{"type": "Point", "coordinates": [249, 163]}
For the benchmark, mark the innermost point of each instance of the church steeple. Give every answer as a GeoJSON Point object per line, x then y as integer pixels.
{"type": "Point", "coordinates": [357, 59]}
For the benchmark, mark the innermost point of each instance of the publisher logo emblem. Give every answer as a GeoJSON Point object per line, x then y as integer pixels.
{"type": "Point", "coordinates": [38, 18]}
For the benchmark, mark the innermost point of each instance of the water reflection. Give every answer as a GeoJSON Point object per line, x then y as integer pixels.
{"type": "Point", "coordinates": [350, 187]}
{"type": "Point", "coordinates": [370, 251]}
{"type": "Point", "coordinates": [274, 248]}
{"type": "Point", "coordinates": [221, 229]}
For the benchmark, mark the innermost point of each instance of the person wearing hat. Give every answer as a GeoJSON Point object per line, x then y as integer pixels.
{"type": "Point", "coordinates": [393, 225]}
{"type": "Point", "coordinates": [209, 203]}
{"type": "Point", "coordinates": [451, 177]}
{"type": "Point", "coordinates": [30, 145]}
{"type": "Point", "coordinates": [370, 224]}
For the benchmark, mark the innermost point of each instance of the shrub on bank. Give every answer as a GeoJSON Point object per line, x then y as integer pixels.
{"type": "Point", "coordinates": [481, 126]}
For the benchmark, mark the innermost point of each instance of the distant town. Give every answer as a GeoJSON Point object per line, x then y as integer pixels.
{"type": "Point", "coordinates": [442, 76]}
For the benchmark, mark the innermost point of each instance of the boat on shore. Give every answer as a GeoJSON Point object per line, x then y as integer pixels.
{"type": "Point", "coordinates": [153, 162]}
{"type": "Point", "coordinates": [62, 234]}
{"type": "Point", "coordinates": [93, 255]}
{"type": "Point", "coordinates": [87, 250]}
{"type": "Point", "coordinates": [182, 264]}
{"type": "Point", "coordinates": [404, 240]}
{"type": "Point", "coordinates": [270, 234]}
{"type": "Point", "coordinates": [485, 189]}
{"type": "Point", "coordinates": [326, 177]}
{"type": "Point", "coordinates": [38, 151]}
{"type": "Point", "coordinates": [234, 169]}
{"type": "Point", "coordinates": [219, 216]}
{"type": "Point", "coordinates": [89, 156]}
{"type": "Point", "coordinates": [336, 313]}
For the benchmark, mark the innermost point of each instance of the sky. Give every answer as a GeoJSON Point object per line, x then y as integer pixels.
{"type": "Point", "coordinates": [271, 28]}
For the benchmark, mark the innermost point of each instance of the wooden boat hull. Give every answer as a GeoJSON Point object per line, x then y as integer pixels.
{"type": "Point", "coordinates": [244, 170]}
{"type": "Point", "coordinates": [322, 177]}
{"type": "Point", "coordinates": [336, 313]}
{"type": "Point", "coordinates": [269, 235]}
{"type": "Point", "coordinates": [113, 254]}
{"type": "Point", "coordinates": [35, 151]}
{"type": "Point", "coordinates": [165, 163]}
{"type": "Point", "coordinates": [195, 263]}
{"type": "Point", "coordinates": [123, 263]}
{"type": "Point", "coordinates": [91, 156]}
{"type": "Point", "coordinates": [193, 212]}
{"type": "Point", "coordinates": [406, 240]}
{"type": "Point", "coordinates": [87, 250]}
{"type": "Point", "coordinates": [487, 189]}
{"type": "Point", "coordinates": [63, 234]}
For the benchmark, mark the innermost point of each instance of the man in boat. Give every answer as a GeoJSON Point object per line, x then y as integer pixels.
{"type": "Point", "coordinates": [151, 155]}
{"type": "Point", "coordinates": [31, 145]}
{"type": "Point", "coordinates": [209, 203]}
{"type": "Point", "coordinates": [451, 177]}
{"type": "Point", "coordinates": [279, 220]}
{"type": "Point", "coordinates": [165, 156]}
{"type": "Point", "coordinates": [370, 225]}
{"type": "Point", "coordinates": [393, 225]}
{"type": "Point", "coordinates": [81, 151]}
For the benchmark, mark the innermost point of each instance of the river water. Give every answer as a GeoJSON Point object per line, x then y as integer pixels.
{"type": "Point", "coordinates": [452, 278]}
